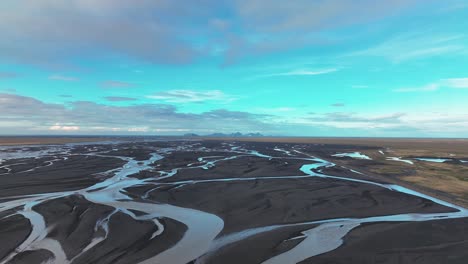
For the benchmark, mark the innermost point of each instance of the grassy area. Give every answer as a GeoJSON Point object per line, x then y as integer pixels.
{"type": "Point", "coordinates": [448, 178]}
{"type": "Point", "coordinates": [445, 180]}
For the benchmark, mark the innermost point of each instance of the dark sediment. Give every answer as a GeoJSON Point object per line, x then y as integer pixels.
{"type": "Point", "coordinates": [243, 203]}
{"type": "Point", "coordinates": [14, 230]}
{"type": "Point", "coordinates": [75, 173]}
{"type": "Point", "coordinates": [432, 242]}
{"type": "Point", "coordinates": [256, 203]}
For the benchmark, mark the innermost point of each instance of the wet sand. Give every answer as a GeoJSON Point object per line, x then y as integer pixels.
{"type": "Point", "coordinates": [215, 202]}
{"type": "Point", "coordinates": [443, 241]}
{"type": "Point", "coordinates": [250, 204]}
{"type": "Point", "coordinates": [34, 176]}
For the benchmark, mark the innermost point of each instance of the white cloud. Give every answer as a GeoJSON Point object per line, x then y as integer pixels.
{"type": "Point", "coordinates": [426, 88]}
{"type": "Point", "coordinates": [456, 83]}
{"type": "Point", "coordinates": [338, 105]}
{"type": "Point", "coordinates": [190, 96]}
{"type": "Point", "coordinates": [269, 110]}
{"type": "Point", "coordinates": [408, 123]}
{"type": "Point", "coordinates": [138, 129]}
{"type": "Point", "coordinates": [416, 46]}
{"type": "Point", "coordinates": [172, 130]}
{"type": "Point", "coordinates": [299, 72]}
{"type": "Point", "coordinates": [309, 72]}
{"type": "Point", "coordinates": [58, 127]}
{"type": "Point", "coordinates": [460, 83]}
{"type": "Point", "coordinates": [63, 78]}
{"type": "Point", "coordinates": [91, 118]}
{"type": "Point", "coordinates": [284, 109]}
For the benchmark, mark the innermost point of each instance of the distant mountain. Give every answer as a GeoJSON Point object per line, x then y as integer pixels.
{"type": "Point", "coordinates": [191, 135]}
{"type": "Point", "coordinates": [236, 134]}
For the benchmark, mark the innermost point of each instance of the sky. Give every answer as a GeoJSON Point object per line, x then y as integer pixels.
{"type": "Point", "coordinates": [363, 68]}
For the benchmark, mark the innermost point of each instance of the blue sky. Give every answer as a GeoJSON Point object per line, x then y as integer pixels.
{"type": "Point", "coordinates": [297, 68]}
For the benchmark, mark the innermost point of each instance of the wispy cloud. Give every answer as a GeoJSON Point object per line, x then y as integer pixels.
{"type": "Point", "coordinates": [355, 121]}
{"type": "Point", "coordinates": [455, 83]}
{"type": "Point", "coordinates": [308, 72]}
{"type": "Point", "coordinates": [8, 75]}
{"type": "Point", "coordinates": [283, 109]}
{"type": "Point", "coordinates": [275, 110]}
{"type": "Point", "coordinates": [138, 129]}
{"type": "Point", "coordinates": [58, 127]}
{"type": "Point", "coordinates": [426, 88]}
{"type": "Point", "coordinates": [460, 83]}
{"type": "Point", "coordinates": [9, 90]}
{"type": "Point", "coordinates": [299, 72]}
{"type": "Point", "coordinates": [338, 104]}
{"type": "Point", "coordinates": [190, 96]}
{"type": "Point", "coordinates": [416, 46]}
{"type": "Point", "coordinates": [116, 84]}
{"type": "Point", "coordinates": [59, 77]}
{"type": "Point", "coordinates": [119, 99]}
{"type": "Point", "coordinates": [423, 123]}
{"type": "Point", "coordinates": [353, 117]}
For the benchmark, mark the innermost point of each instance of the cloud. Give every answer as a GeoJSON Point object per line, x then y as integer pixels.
{"type": "Point", "coordinates": [351, 123]}
{"type": "Point", "coordinates": [302, 72]}
{"type": "Point", "coordinates": [55, 33]}
{"type": "Point", "coordinates": [419, 45]}
{"type": "Point", "coordinates": [9, 90]}
{"type": "Point", "coordinates": [272, 26]}
{"type": "Point", "coordinates": [407, 124]}
{"type": "Point", "coordinates": [58, 127]}
{"type": "Point", "coordinates": [63, 78]}
{"type": "Point", "coordinates": [354, 118]}
{"type": "Point", "coordinates": [460, 83]}
{"type": "Point", "coordinates": [116, 84]}
{"type": "Point", "coordinates": [30, 107]}
{"type": "Point", "coordinates": [119, 99]}
{"type": "Point", "coordinates": [35, 116]}
{"type": "Point", "coordinates": [189, 96]}
{"type": "Point", "coordinates": [305, 15]}
{"type": "Point", "coordinates": [138, 129]}
{"type": "Point", "coordinates": [83, 117]}
{"type": "Point", "coordinates": [283, 109]}
{"type": "Point", "coordinates": [455, 83]}
{"type": "Point", "coordinates": [305, 72]}
{"type": "Point", "coordinates": [52, 32]}
{"type": "Point", "coordinates": [338, 104]}
{"type": "Point", "coordinates": [7, 75]}
{"type": "Point", "coordinates": [66, 95]}
{"type": "Point", "coordinates": [426, 88]}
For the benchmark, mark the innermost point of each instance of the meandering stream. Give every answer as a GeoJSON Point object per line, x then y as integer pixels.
{"type": "Point", "coordinates": [202, 238]}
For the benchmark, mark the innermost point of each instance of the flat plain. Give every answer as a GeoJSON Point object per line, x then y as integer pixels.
{"type": "Point", "coordinates": [256, 200]}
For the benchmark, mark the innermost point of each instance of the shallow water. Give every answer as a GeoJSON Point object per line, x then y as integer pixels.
{"type": "Point", "coordinates": [318, 241]}
{"type": "Point", "coordinates": [201, 239]}
{"type": "Point", "coordinates": [400, 159]}
{"type": "Point", "coordinates": [202, 227]}
{"type": "Point", "coordinates": [355, 155]}
{"type": "Point", "coordinates": [433, 160]}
